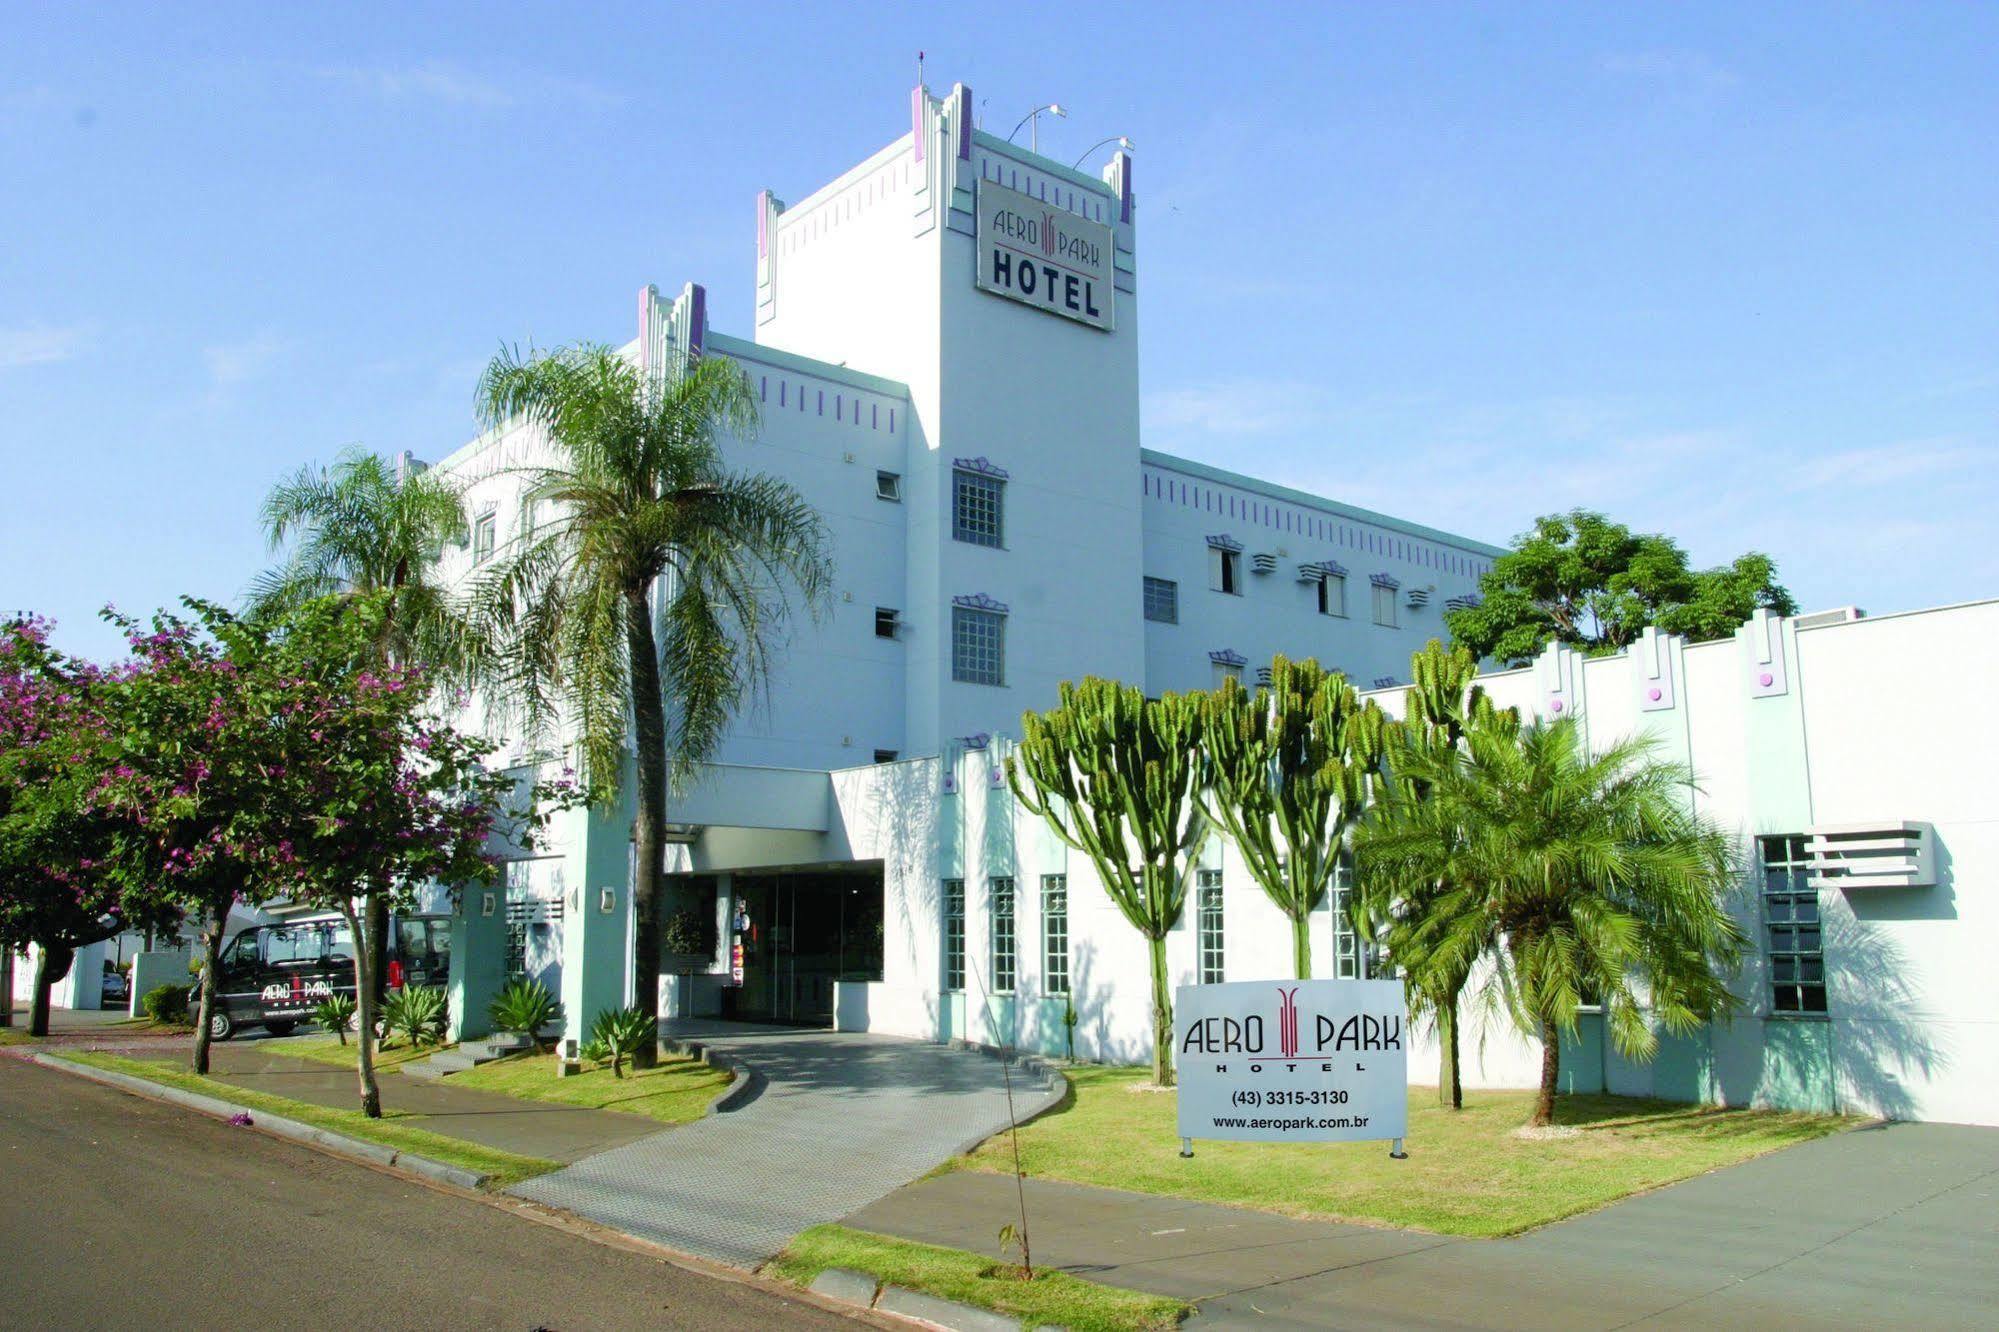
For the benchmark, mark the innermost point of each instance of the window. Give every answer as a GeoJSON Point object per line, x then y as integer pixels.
{"type": "Point", "coordinates": [1162, 600]}
{"type": "Point", "coordinates": [1384, 605]}
{"type": "Point", "coordinates": [978, 646]}
{"type": "Point", "coordinates": [1791, 927]}
{"type": "Point", "coordinates": [1000, 890]}
{"type": "Point", "coordinates": [1055, 933]}
{"type": "Point", "coordinates": [887, 621]}
{"type": "Point", "coordinates": [485, 532]}
{"type": "Point", "coordinates": [1349, 958]}
{"type": "Point", "coordinates": [1333, 594]}
{"type": "Point", "coordinates": [1225, 570]}
{"type": "Point", "coordinates": [530, 516]}
{"type": "Point", "coordinates": [1223, 672]}
{"type": "Point", "coordinates": [884, 756]}
{"type": "Point", "coordinates": [888, 486]}
{"type": "Point", "coordinates": [1208, 924]}
{"type": "Point", "coordinates": [317, 944]}
{"type": "Point", "coordinates": [978, 508]}
{"type": "Point", "coordinates": [954, 934]}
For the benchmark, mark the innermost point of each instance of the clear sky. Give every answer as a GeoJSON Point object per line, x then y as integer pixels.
{"type": "Point", "coordinates": [1727, 271]}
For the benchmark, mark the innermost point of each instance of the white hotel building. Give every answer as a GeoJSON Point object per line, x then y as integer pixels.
{"type": "Point", "coordinates": [945, 349]}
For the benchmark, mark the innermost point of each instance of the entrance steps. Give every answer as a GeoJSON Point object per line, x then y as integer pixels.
{"type": "Point", "coordinates": [468, 1054]}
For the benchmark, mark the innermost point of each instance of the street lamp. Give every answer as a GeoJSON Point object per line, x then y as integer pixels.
{"type": "Point", "coordinates": [1032, 119]}
{"type": "Point", "coordinates": [1117, 139]}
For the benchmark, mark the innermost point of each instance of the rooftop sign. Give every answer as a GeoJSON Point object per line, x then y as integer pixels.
{"type": "Point", "coordinates": [1044, 256]}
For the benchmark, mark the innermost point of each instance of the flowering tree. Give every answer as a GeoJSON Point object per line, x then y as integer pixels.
{"type": "Point", "coordinates": [55, 891]}
{"type": "Point", "coordinates": [252, 760]}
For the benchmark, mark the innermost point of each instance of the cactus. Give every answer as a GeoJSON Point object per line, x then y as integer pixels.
{"type": "Point", "coordinates": [1112, 773]}
{"type": "Point", "coordinates": [1286, 773]}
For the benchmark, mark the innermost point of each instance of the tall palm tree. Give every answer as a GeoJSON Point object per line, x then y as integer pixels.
{"type": "Point", "coordinates": [1599, 882]}
{"type": "Point", "coordinates": [360, 528]}
{"type": "Point", "coordinates": [646, 607]}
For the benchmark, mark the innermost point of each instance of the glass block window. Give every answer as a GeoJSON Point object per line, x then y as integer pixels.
{"type": "Point", "coordinates": [1055, 933]}
{"type": "Point", "coordinates": [1349, 958]}
{"type": "Point", "coordinates": [978, 509]}
{"type": "Point", "coordinates": [1384, 605]}
{"type": "Point", "coordinates": [1162, 600]}
{"type": "Point", "coordinates": [485, 535]}
{"type": "Point", "coordinates": [954, 934]}
{"type": "Point", "coordinates": [1005, 957]}
{"type": "Point", "coordinates": [1208, 924]}
{"type": "Point", "coordinates": [1333, 595]}
{"type": "Point", "coordinates": [1793, 936]}
{"type": "Point", "coordinates": [978, 646]}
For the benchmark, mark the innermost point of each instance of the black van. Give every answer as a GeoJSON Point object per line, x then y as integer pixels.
{"type": "Point", "coordinates": [275, 975]}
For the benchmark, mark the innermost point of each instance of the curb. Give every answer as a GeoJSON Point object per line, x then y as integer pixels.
{"type": "Point", "coordinates": [276, 1125]}
{"type": "Point", "coordinates": [861, 1290]}
{"type": "Point", "coordinates": [1030, 1104]}
{"type": "Point", "coordinates": [748, 1084]}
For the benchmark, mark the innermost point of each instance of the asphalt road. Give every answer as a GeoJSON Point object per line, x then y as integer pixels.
{"type": "Point", "coordinates": [119, 1212]}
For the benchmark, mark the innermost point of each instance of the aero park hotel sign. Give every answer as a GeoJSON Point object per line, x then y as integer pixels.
{"type": "Point", "coordinates": [1044, 256]}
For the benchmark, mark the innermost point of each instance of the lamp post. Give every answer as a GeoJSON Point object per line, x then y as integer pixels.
{"type": "Point", "coordinates": [1120, 140]}
{"type": "Point", "coordinates": [1033, 121]}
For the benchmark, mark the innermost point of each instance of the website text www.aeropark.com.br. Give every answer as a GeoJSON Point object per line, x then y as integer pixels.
{"type": "Point", "coordinates": [1337, 1122]}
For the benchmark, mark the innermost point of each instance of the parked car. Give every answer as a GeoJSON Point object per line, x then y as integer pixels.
{"type": "Point", "coordinates": [117, 990]}
{"type": "Point", "coordinates": [275, 975]}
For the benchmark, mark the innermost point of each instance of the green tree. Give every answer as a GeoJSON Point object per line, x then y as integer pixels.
{"type": "Point", "coordinates": [1599, 882]}
{"type": "Point", "coordinates": [1581, 579]}
{"type": "Point", "coordinates": [1285, 774]}
{"type": "Point", "coordinates": [365, 527]}
{"type": "Point", "coordinates": [1113, 773]}
{"type": "Point", "coordinates": [1412, 894]}
{"type": "Point", "coordinates": [647, 606]}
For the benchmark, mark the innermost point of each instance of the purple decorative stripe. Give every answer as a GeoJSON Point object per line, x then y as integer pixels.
{"type": "Point", "coordinates": [980, 601]}
{"type": "Point", "coordinates": [1227, 657]}
{"type": "Point", "coordinates": [891, 420]}
{"type": "Point", "coordinates": [981, 466]}
{"type": "Point", "coordinates": [822, 402]}
{"type": "Point", "coordinates": [875, 424]}
{"type": "Point", "coordinates": [782, 389]}
{"type": "Point", "coordinates": [763, 388]}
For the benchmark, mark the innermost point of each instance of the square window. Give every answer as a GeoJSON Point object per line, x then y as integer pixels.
{"type": "Point", "coordinates": [978, 646]}
{"type": "Point", "coordinates": [978, 509]}
{"type": "Point", "coordinates": [1162, 600]}
{"type": "Point", "coordinates": [888, 486]}
{"type": "Point", "coordinates": [887, 621]}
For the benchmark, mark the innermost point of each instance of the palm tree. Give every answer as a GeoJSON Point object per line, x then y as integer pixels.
{"type": "Point", "coordinates": [361, 528]}
{"type": "Point", "coordinates": [1598, 881]}
{"type": "Point", "coordinates": [658, 573]}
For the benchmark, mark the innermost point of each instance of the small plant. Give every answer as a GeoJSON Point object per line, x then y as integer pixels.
{"type": "Point", "coordinates": [622, 1033]}
{"type": "Point", "coordinates": [166, 1004]}
{"type": "Point", "coordinates": [524, 1006]}
{"type": "Point", "coordinates": [1069, 1025]}
{"type": "Point", "coordinates": [416, 1013]}
{"type": "Point", "coordinates": [688, 933]}
{"type": "Point", "coordinates": [335, 1013]}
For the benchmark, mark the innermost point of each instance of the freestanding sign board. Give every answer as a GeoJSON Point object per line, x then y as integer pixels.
{"type": "Point", "coordinates": [1045, 256]}
{"type": "Point", "coordinates": [1292, 1061]}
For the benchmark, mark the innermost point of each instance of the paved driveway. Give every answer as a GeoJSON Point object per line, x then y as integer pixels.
{"type": "Point", "coordinates": [1893, 1225]}
{"type": "Point", "coordinates": [843, 1119]}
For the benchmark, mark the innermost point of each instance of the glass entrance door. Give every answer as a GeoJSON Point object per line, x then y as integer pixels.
{"type": "Point", "coordinates": [805, 931]}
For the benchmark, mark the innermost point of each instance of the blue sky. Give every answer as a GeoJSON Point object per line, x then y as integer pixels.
{"type": "Point", "coordinates": [1730, 272]}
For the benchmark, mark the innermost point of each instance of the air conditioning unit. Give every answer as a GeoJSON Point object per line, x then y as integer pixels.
{"type": "Point", "coordinates": [1873, 855]}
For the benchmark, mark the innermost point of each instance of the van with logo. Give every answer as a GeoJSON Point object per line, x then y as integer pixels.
{"type": "Point", "coordinates": [273, 976]}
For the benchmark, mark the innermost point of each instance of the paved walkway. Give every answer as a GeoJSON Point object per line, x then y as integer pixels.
{"type": "Point", "coordinates": [1892, 1225]}
{"type": "Point", "coordinates": [843, 1119]}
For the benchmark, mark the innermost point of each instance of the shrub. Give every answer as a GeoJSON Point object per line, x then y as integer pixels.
{"type": "Point", "coordinates": [524, 1006]}
{"type": "Point", "coordinates": [688, 933]}
{"type": "Point", "coordinates": [336, 1014]}
{"type": "Point", "coordinates": [622, 1033]}
{"type": "Point", "coordinates": [416, 1013]}
{"type": "Point", "coordinates": [166, 1004]}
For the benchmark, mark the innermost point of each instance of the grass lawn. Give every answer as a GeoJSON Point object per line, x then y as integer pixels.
{"type": "Point", "coordinates": [678, 1090]}
{"type": "Point", "coordinates": [14, 1036]}
{"type": "Point", "coordinates": [953, 1274]}
{"type": "Point", "coordinates": [329, 1050]}
{"type": "Point", "coordinates": [393, 1130]}
{"type": "Point", "coordinates": [1467, 1174]}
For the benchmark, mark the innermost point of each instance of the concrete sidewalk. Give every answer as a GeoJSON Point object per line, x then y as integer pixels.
{"type": "Point", "coordinates": [1894, 1224]}
{"type": "Point", "coordinates": [552, 1132]}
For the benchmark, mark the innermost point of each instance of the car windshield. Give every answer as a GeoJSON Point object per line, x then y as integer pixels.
{"type": "Point", "coordinates": [311, 944]}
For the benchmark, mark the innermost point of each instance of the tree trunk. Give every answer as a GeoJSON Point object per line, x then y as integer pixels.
{"type": "Point", "coordinates": [1551, 1067]}
{"type": "Point", "coordinates": [364, 1004]}
{"type": "Point", "coordinates": [211, 977]}
{"type": "Point", "coordinates": [1162, 1016]}
{"type": "Point", "coordinates": [378, 947]}
{"type": "Point", "coordinates": [649, 825]}
{"type": "Point", "coordinates": [6, 985]}
{"type": "Point", "coordinates": [51, 965]}
{"type": "Point", "coordinates": [1301, 945]}
{"type": "Point", "coordinates": [1450, 1085]}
